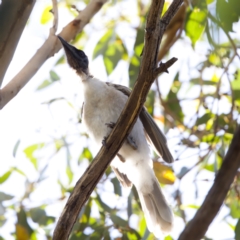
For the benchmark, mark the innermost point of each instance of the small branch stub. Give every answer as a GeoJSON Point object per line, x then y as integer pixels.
{"type": "Point", "coordinates": [163, 67]}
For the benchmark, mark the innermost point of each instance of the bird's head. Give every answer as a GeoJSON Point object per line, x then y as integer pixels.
{"type": "Point", "coordinates": [76, 58]}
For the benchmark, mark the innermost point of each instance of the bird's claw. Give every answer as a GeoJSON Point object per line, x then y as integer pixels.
{"type": "Point", "coordinates": [110, 125]}
{"type": "Point", "coordinates": [104, 141]}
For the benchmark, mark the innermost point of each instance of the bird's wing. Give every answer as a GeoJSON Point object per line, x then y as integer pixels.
{"type": "Point", "coordinates": [154, 134]}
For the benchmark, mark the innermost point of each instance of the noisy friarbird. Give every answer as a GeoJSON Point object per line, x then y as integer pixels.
{"type": "Point", "coordinates": [103, 104]}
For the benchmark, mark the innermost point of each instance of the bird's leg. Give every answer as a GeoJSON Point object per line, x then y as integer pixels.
{"type": "Point", "coordinates": [130, 139]}
{"type": "Point", "coordinates": [110, 125]}
{"type": "Point", "coordinates": [104, 141]}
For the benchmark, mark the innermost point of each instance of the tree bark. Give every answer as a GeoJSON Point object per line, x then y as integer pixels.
{"type": "Point", "coordinates": [13, 17]}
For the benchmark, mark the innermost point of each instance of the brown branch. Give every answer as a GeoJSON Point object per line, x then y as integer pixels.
{"type": "Point", "coordinates": [164, 66]}
{"type": "Point", "coordinates": [47, 50]}
{"type": "Point", "coordinates": [87, 183]}
{"type": "Point", "coordinates": [198, 226]}
{"type": "Point", "coordinates": [55, 14]}
{"type": "Point", "coordinates": [13, 17]}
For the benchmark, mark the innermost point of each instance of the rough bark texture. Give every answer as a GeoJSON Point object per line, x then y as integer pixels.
{"type": "Point", "coordinates": [198, 226]}
{"type": "Point", "coordinates": [148, 71]}
{"type": "Point", "coordinates": [13, 17]}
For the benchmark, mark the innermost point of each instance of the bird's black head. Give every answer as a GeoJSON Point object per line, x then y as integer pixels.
{"type": "Point", "coordinates": [77, 59]}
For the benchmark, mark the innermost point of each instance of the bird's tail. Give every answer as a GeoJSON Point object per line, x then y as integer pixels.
{"type": "Point", "coordinates": [157, 213]}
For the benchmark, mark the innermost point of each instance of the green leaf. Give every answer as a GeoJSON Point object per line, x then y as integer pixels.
{"type": "Point", "coordinates": [182, 172]}
{"type": "Point", "coordinates": [236, 86]}
{"type": "Point", "coordinates": [16, 147]}
{"type": "Point", "coordinates": [29, 152]}
{"type": "Point", "coordinates": [129, 207]}
{"type": "Point", "coordinates": [5, 197]}
{"type": "Point", "coordinates": [228, 12]}
{"type": "Point", "coordinates": [46, 15]}
{"type": "Point", "coordinates": [172, 100]}
{"type": "Point", "coordinates": [149, 104]}
{"type": "Point", "coordinates": [215, 59]}
{"type": "Point", "coordinates": [237, 230]}
{"type": "Point", "coordinates": [118, 220]}
{"type": "Point", "coordinates": [235, 208]}
{"type": "Point", "coordinates": [196, 21]}
{"type": "Point", "coordinates": [19, 171]}
{"type": "Point", "coordinates": [136, 58]}
{"type": "Point", "coordinates": [86, 154]}
{"type": "Point", "coordinates": [23, 230]}
{"type": "Point", "coordinates": [5, 176]}
{"type": "Point", "coordinates": [39, 216]}
{"type": "Point", "coordinates": [168, 238]}
{"type": "Point", "coordinates": [204, 119]}
{"type": "Point", "coordinates": [199, 81]}
{"type": "Point", "coordinates": [2, 222]}
{"type": "Point", "coordinates": [117, 187]}
{"type": "Point", "coordinates": [112, 56]}
{"type": "Point", "coordinates": [53, 75]}
{"type": "Point", "coordinates": [163, 173]}
{"type": "Point", "coordinates": [210, 167]}
{"type": "Point", "coordinates": [233, 202]}
{"type": "Point", "coordinates": [61, 60]}
{"type": "Point", "coordinates": [101, 204]}
{"type": "Point", "coordinates": [102, 45]}
{"type": "Point", "coordinates": [69, 173]}
{"type": "Point", "coordinates": [58, 144]}
{"type": "Point", "coordinates": [44, 84]}
{"type": "Point", "coordinates": [210, 138]}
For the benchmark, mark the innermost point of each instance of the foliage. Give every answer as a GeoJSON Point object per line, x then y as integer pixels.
{"type": "Point", "coordinates": [200, 102]}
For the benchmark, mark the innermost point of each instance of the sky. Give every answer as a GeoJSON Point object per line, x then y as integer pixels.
{"type": "Point", "coordinates": [27, 119]}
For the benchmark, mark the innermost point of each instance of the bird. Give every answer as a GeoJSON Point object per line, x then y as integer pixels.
{"type": "Point", "coordinates": [103, 104]}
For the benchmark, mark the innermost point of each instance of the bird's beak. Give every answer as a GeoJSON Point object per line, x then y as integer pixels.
{"type": "Point", "coordinates": [77, 59]}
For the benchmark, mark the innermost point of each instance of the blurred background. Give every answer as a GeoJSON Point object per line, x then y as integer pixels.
{"type": "Point", "coordinates": [44, 149]}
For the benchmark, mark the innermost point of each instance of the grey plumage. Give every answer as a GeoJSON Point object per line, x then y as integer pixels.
{"type": "Point", "coordinates": [154, 135]}
{"type": "Point", "coordinates": [103, 104]}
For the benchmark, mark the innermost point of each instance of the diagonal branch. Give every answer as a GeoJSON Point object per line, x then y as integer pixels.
{"type": "Point", "coordinates": [147, 74]}
{"type": "Point", "coordinates": [13, 17]}
{"type": "Point", "coordinates": [198, 226]}
{"type": "Point", "coordinates": [47, 50]}
{"type": "Point", "coordinates": [55, 14]}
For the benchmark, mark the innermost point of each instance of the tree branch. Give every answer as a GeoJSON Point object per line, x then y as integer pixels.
{"type": "Point", "coordinates": [48, 49]}
{"type": "Point", "coordinates": [164, 66]}
{"type": "Point", "coordinates": [87, 183]}
{"type": "Point", "coordinates": [13, 17]}
{"type": "Point", "coordinates": [55, 14]}
{"type": "Point", "coordinates": [198, 226]}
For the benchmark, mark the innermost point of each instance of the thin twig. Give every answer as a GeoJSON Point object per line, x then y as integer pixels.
{"type": "Point", "coordinates": [164, 66]}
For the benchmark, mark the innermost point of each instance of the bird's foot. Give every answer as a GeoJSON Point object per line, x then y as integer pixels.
{"type": "Point", "coordinates": [130, 139]}
{"type": "Point", "coordinates": [110, 125]}
{"type": "Point", "coordinates": [104, 141]}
